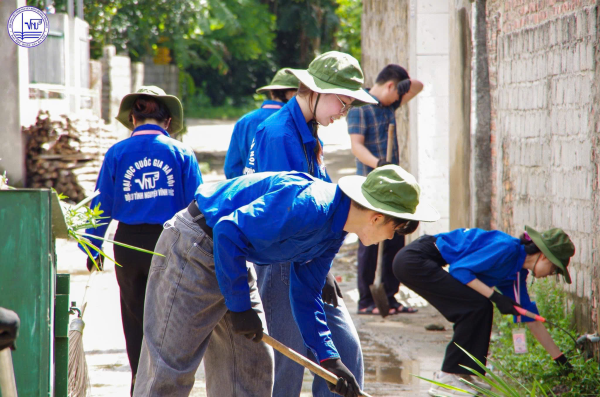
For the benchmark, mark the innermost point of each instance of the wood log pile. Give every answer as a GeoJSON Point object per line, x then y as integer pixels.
{"type": "Point", "coordinates": [66, 153]}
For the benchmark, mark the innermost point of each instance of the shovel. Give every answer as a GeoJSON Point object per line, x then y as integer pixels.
{"type": "Point", "coordinates": [377, 288]}
{"type": "Point", "coordinates": [305, 362]}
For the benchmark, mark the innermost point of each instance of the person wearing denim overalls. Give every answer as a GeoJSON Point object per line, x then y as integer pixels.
{"type": "Point", "coordinates": [202, 301]}
{"type": "Point", "coordinates": [288, 141]}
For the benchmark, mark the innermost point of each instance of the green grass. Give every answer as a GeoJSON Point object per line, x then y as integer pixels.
{"type": "Point", "coordinates": [536, 365]}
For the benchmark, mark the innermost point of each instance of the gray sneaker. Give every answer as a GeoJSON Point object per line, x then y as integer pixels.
{"type": "Point", "coordinates": [450, 380]}
{"type": "Point", "coordinates": [477, 381]}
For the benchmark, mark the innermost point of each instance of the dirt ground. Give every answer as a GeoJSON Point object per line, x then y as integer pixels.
{"type": "Point", "coordinates": [395, 348]}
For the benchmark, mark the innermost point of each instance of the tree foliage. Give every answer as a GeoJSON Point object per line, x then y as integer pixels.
{"type": "Point", "coordinates": [224, 49]}
{"type": "Point", "coordinates": [349, 34]}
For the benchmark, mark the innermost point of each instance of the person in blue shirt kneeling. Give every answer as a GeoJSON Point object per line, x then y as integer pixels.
{"type": "Point", "coordinates": [202, 300]}
{"type": "Point", "coordinates": [283, 87]}
{"type": "Point", "coordinates": [144, 180]}
{"type": "Point", "coordinates": [479, 261]}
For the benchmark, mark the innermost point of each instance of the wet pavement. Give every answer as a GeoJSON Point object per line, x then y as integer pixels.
{"type": "Point", "coordinates": [395, 348]}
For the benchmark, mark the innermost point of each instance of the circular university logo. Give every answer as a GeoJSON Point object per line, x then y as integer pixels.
{"type": "Point", "coordinates": [28, 27]}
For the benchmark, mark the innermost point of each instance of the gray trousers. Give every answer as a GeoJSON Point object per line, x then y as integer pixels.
{"type": "Point", "coordinates": [185, 320]}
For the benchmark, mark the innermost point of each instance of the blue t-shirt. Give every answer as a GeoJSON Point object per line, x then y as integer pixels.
{"type": "Point", "coordinates": [493, 257]}
{"type": "Point", "coordinates": [284, 142]}
{"type": "Point", "coordinates": [145, 179]}
{"type": "Point", "coordinates": [243, 134]}
{"type": "Point", "coordinates": [269, 218]}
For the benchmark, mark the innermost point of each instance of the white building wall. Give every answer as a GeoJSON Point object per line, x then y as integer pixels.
{"type": "Point", "coordinates": [429, 115]}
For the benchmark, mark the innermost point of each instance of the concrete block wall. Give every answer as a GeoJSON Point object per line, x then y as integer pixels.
{"type": "Point", "coordinates": [385, 37]}
{"type": "Point", "coordinates": [543, 67]}
{"type": "Point", "coordinates": [163, 76]}
{"type": "Point", "coordinates": [116, 83]}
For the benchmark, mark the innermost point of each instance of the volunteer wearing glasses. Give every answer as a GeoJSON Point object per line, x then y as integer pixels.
{"type": "Point", "coordinates": [289, 141]}
{"type": "Point", "coordinates": [479, 261]}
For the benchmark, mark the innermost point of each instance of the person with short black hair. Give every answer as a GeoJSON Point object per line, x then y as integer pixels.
{"type": "Point", "coordinates": [368, 129]}
{"type": "Point", "coordinates": [202, 300]}
{"type": "Point", "coordinates": [480, 260]}
{"type": "Point", "coordinates": [144, 180]}
{"type": "Point", "coordinates": [282, 88]}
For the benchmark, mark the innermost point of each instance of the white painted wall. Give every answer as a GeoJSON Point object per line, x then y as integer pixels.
{"type": "Point", "coordinates": [429, 63]}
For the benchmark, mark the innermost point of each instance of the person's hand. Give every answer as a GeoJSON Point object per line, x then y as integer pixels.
{"type": "Point", "coordinates": [563, 362]}
{"type": "Point", "coordinates": [346, 385]}
{"type": "Point", "coordinates": [382, 162]}
{"type": "Point", "coordinates": [248, 324]}
{"type": "Point", "coordinates": [505, 304]}
{"type": "Point", "coordinates": [403, 87]}
{"type": "Point", "coordinates": [99, 260]}
{"type": "Point", "coordinates": [331, 291]}
{"type": "Point", "coordinates": [9, 328]}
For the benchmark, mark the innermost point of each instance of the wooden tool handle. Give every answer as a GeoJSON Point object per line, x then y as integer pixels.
{"type": "Point", "coordinates": [390, 142]}
{"type": "Point", "coordinates": [300, 359]}
{"type": "Point", "coordinates": [8, 385]}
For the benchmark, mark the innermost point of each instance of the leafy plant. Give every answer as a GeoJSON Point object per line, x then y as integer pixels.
{"type": "Point", "coordinates": [537, 364]}
{"type": "Point", "coordinates": [349, 34]}
{"type": "Point", "coordinates": [500, 387]}
{"type": "Point", "coordinates": [81, 217]}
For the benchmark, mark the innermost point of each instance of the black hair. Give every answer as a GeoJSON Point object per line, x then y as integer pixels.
{"type": "Point", "coordinates": [403, 226]}
{"type": "Point", "coordinates": [280, 95]}
{"type": "Point", "coordinates": [393, 72]}
{"type": "Point", "coordinates": [528, 244]}
{"type": "Point", "coordinates": [146, 107]}
{"type": "Point", "coordinates": [305, 92]}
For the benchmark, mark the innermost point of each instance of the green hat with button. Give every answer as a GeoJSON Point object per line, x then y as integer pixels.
{"type": "Point", "coordinates": [556, 245]}
{"type": "Point", "coordinates": [335, 72]}
{"type": "Point", "coordinates": [170, 101]}
{"type": "Point", "coordinates": [389, 190]}
{"type": "Point", "coordinates": [281, 81]}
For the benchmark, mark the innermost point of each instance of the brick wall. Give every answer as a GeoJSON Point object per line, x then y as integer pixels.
{"type": "Point", "coordinates": [543, 67]}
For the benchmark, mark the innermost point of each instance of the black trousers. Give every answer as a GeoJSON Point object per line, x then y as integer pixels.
{"type": "Point", "coordinates": [419, 267]}
{"type": "Point", "coordinates": [132, 276]}
{"type": "Point", "coordinates": [367, 264]}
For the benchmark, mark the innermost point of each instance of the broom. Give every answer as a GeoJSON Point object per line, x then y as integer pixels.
{"type": "Point", "coordinates": [79, 380]}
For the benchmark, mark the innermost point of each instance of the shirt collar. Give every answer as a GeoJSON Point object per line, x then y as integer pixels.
{"type": "Point", "coordinates": [271, 104]}
{"type": "Point", "coordinates": [368, 91]}
{"type": "Point", "coordinates": [340, 216]}
{"type": "Point", "coordinates": [300, 121]}
{"type": "Point", "coordinates": [150, 127]}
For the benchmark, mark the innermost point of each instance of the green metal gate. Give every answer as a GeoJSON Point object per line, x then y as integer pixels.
{"type": "Point", "coordinates": [28, 286]}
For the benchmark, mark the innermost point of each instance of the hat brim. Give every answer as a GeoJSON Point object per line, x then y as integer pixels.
{"type": "Point", "coordinates": [171, 102]}
{"type": "Point", "coordinates": [361, 97]}
{"type": "Point", "coordinates": [276, 87]}
{"type": "Point", "coordinates": [352, 186]}
{"type": "Point", "coordinates": [537, 239]}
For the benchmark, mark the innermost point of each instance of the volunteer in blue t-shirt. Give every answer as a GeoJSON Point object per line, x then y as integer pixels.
{"type": "Point", "coordinates": [144, 180]}
{"type": "Point", "coordinates": [289, 141]}
{"type": "Point", "coordinates": [283, 87]}
{"type": "Point", "coordinates": [202, 301]}
{"type": "Point", "coordinates": [479, 261]}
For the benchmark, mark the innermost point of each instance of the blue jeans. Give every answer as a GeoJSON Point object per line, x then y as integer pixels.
{"type": "Point", "coordinates": [273, 285]}
{"type": "Point", "coordinates": [184, 311]}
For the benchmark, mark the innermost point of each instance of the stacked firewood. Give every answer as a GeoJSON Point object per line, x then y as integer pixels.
{"type": "Point", "coordinates": [66, 153]}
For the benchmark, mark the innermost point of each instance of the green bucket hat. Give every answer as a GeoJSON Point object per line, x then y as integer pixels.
{"type": "Point", "coordinates": [335, 73]}
{"type": "Point", "coordinates": [281, 81]}
{"type": "Point", "coordinates": [389, 190]}
{"type": "Point", "coordinates": [556, 245]}
{"type": "Point", "coordinates": [170, 101]}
